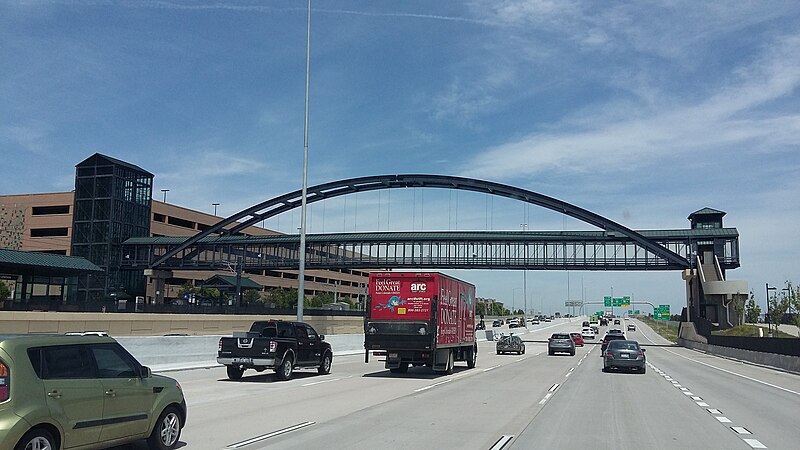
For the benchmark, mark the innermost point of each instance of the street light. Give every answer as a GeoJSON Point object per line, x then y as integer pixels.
{"type": "Point", "coordinates": [524, 227]}
{"type": "Point", "coordinates": [215, 207]}
{"type": "Point", "coordinates": [165, 194]}
{"type": "Point", "coordinates": [769, 320]}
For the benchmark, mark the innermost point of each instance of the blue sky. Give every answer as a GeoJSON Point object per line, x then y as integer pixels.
{"type": "Point", "coordinates": [642, 112]}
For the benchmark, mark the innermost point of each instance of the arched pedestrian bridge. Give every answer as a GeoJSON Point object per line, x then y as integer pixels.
{"type": "Point", "coordinates": [612, 247]}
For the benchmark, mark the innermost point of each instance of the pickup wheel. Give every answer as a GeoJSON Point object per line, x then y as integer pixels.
{"type": "Point", "coordinates": [325, 366]}
{"type": "Point", "coordinates": [234, 372]}
{"type": "Point", "coordinates": [284, 371]}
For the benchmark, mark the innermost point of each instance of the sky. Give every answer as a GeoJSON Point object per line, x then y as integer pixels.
{"type": "Point", "coordinates": [642, 112]}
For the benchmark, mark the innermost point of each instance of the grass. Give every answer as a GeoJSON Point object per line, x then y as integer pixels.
{"type": "Point", "coordinates": [665, 329]}
{"type": "Point", "coordinates": [750, 331]}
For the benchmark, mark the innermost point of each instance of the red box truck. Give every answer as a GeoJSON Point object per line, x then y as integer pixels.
{"type": "Point", "coordinates": [420, 319]}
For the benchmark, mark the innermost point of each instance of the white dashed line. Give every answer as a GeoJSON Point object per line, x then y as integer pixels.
{"type": "Point", "coordinates": [723, 419]}
{"type": "Point", "coordinates": [703, 404]}
{"type": "Point", "coordinates": [553, 388]}
{"type": "Point", "coordinates": [754, 443]}
{"type": "Point", "coordinates": [714, 411]}
{"type": "Point", "coordinates": [688, 394]}
{"type": "Point", "coordinates": [505, 439]}
{"type": "Point", "coordinates": [741, 430]}
{"type": "Point", "coordinates": [697, 399]}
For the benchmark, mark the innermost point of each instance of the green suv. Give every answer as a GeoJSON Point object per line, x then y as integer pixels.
{"type": "Point", "coordinates": [82, 392]}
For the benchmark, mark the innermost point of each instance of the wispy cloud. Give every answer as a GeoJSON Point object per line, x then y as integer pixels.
{"type": "Point", "coordinates": [729, 116]}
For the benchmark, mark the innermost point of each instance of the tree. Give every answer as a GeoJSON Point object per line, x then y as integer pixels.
{"type": "Point", "coordinates": [480, 309]}
{"type": "Point", "coordinates": [752, 311]}
{"type": "Point", "coordinates": [282, 298]}
{"type": "Point", "coordinates": [794, 301]}
{"type": "Point", "coordinates": [5, 291]}
{"type": "Point", "coordinates": [322, 298]}
{"type": "Point", "coordinates": [250, 296]}
{"type": "Point", "coordinates": [778, 305]}
{"type": "Point", "coordinates": [739, 307]}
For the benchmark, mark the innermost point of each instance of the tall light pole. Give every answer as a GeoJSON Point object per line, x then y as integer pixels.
{"type": "Point", "coordinates": [215, 207]}
{"type": "Point", "coordinates": [165, 194]}
{"type": "Point", "coordinates": [301, 285]}
{"type": "Point", "coordinates": [524, 227]}
{"type": "Point", "coordinates": [769, 319]}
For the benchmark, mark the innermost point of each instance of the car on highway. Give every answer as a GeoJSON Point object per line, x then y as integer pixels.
{"type": "Point", "coordinates": [631, 327]}
{"type": "Point", "coordinates": [616, 321]}
{"type": "Point", "coordinates": [497, 323]}
{"type": "Point", "coordinates": [60, 391]}
{"type": "Point", "coordinates": [587, 333]}
{"type": "Point", "coordinates": [603, 322]}
{"type": "Point", "coordinates": [608, 338]}
{"type": "Point", "coordinates": [624, 354]}
{"type": "Point", "coordinates": [585, 324]}
{"type": "Point", "coordinates": [577, 338]}
{"type": "Point", "coordinates": [560, 343]}
{"type": "Point", "coordinates": [534, 321]}
{"type": "Point", "coordinates": [615, 331]}
{"type": "Point", "coordinates": [510, 344]}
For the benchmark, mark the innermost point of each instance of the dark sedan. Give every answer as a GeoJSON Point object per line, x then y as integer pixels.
{"type": "Point", "coordinates": [510, 344]}
{"type": "Point", "coordinates": [624, 354]}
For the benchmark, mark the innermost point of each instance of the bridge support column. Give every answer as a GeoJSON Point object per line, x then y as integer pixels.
{"type": "Point", "coordinates": [692, 294]}
{"type": "Point", "coordinates": [159, 283]}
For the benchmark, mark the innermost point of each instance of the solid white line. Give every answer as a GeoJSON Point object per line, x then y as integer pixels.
{"type": "Point", "coordinates": [730, 372]}
{"type": "Point", "coordinates": [433, 385]}
{"type": "Point", "coordinates": [505, 439]}
{"type": "Point", "coordinates": [754, 443]}
{"type": "Point", "coordinates": [723, 419]}
{"type": "Point", "coordinates": [491, 368]}
{"type": "Point", "coordinates": [741, 430]}
{"type": "Point", "coordinates": [269, 435]}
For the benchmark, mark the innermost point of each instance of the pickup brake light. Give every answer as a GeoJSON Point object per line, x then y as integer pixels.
{"type": "Point", "coordinates": [273, 346]}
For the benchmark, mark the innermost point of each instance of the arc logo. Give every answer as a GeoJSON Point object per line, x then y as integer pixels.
{"type": "Point", "coordinates": [419, 287]}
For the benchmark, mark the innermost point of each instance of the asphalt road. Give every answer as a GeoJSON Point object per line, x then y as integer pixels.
{"type": "Point", "coordinates": [686, 400]}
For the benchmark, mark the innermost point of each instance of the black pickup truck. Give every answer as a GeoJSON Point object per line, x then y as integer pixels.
{"type": "Point", "coordinates": [275, 344]}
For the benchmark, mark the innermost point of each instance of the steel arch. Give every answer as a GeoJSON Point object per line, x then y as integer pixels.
{"type": "Point", "coordinates": [291, 200]}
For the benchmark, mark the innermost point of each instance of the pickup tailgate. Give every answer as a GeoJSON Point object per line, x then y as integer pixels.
{"type": "Point", "coordinates": [247, 351]}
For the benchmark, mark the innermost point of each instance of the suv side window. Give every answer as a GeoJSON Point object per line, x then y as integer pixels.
{"type": "Point", "coordinates": [300, 332]}
{"type": "Point", "coordinates": [285, 329]}
{"type": "Point", "coordinates": [67, 361]}
{"type": "Point", "coordinates": [311, 333]}
{"type": "Point", "coordinates": [112, 362]}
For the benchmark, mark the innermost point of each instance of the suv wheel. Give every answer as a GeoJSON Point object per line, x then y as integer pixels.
{"type": "Point", "coordinates": [167, 430]}
{"type": "Point", "coordinates": [234, 372]}
{"type": "Point", "coordinates": [325, 366]}
{"type": "Point", "coordinates": [284, 371]}
{"type": "Point", "coordinates": [37, 439]}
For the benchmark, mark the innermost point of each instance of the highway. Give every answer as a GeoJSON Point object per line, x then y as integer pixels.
{"type": "Point", "coordinates": [686, 400]}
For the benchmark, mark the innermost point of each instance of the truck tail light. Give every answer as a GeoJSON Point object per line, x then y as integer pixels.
{"type": "Point", "coordinates": [273, 346]}
{"type": "Point", "coordinates": [219, 346]}
{"type": "Point", "coordinates": [4, 382]}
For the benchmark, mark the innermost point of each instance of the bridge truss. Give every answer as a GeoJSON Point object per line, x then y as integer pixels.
{"type": "Point", "coordinates": [530, 250]}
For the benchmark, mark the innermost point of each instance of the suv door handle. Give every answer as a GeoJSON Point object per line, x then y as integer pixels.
{"type": "Point", "coordinates": [111, 393]}
{"type": "Point", "coordinates": [54, 394]}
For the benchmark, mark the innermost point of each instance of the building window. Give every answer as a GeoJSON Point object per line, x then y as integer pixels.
{"type": "Point", "coordinates": [159, 217]}
{"type": "Point", "coordinates": [180, 222]}
{"type": "Point", "coordinates": [49, 232]}
{"type": "Point", "coordinates": [47, 210]}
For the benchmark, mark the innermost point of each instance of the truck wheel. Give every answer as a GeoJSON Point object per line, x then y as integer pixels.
{"type": "Point", "coordinates": [284, 371]}
{"type": "Point", "coordinates": [402, 369]}
{"type": "Point", "coordinates": [234, 372]}
{"type": "Point", "coordinates": [472, 357]}
{"type": "Point", "coordinates": [325, 366]}
{"type": "Point", "coordinates": [450, 364]}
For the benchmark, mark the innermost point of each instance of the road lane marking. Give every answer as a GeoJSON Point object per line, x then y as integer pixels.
{"type": "Point", "coordinates": [754, 443]}
{"type": "Point", "coordinates": [504, 439]}
{"type": "Point", "coordinates": [729, 371]}
{"type": "Point", "coordinates": [326, 381]}
{"type": "Point", "coordinates": [545, 399]}
{"type": "Point", "coordinates": [688, 393]}
{"type": "Point", "coordinates": [741, 430]}
{"type": "Point", "coordinates": [433, 385]}
{"type": "Point", "coordinates": [703, 404]}
{"type": "Point", "coordinates": [270, 435]}
{"type": "Point", "coordinates": [553, 388]}
{"type": "Point", "coordinates": [491, 368]}
{"type": "Point", "coordinates": [697, 398]}
{"type": "Point", "coordinates": [723, 419]}
{"type": "Point", "coordinates": [714, 411]}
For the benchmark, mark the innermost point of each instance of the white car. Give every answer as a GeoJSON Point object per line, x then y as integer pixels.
{"type": "Point", "coordinates": [587, 333]}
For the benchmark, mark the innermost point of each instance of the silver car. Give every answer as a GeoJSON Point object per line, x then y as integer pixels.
{"type": "Point", "coordinates": [560, 342]}
{"type": "Point", "coordinates": [624, 354]}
